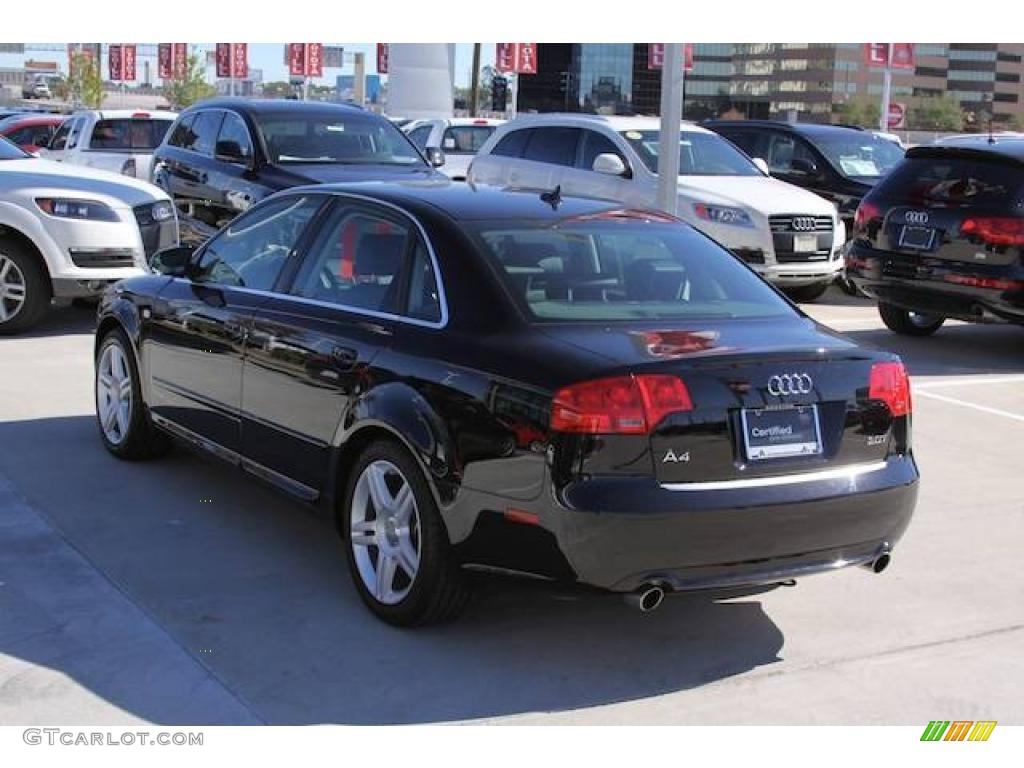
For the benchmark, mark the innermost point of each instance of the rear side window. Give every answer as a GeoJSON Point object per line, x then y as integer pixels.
{"type": "Point", "coordinates": [556, 146]}
{"type": "Point", "coordinates": [465, 139]}
{"type": "Point", "coordinates": [924, 180]}
{"type": "Point", "coordinates": [620, 266]}
{"type": "Point", "coordinates": [512, 143]}
{"type": "Point", "coordinates": [128, 133]}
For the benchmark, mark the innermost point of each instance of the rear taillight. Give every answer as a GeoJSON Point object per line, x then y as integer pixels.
{"type": "Point", "coordinates": [622, 405]}
{"type": "Point", "coordinates": [995, 230]}
{"type": "Point", "coordinates": [992, 283]}
{"type": "Point", "coordinates": [889, 382]}
{"type": "Point", "coordinates": [866, 213]}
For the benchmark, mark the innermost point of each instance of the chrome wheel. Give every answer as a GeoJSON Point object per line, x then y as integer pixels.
{"type": "Point", "coordinates": [114, 393]}
{"type": "Point", "coordinates": [922, 320]}
{"type": "Point", "coordinates": [12, 289]}
{"type": "Point", "coordinates": [384, 532]}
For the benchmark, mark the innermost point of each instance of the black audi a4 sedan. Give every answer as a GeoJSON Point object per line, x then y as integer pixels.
{"type": "Point", "coordinates": [476, 379]}
{"type": "Point", "coordinates": [942, 236]}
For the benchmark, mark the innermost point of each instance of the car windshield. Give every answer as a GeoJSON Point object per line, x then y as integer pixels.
{"type": "Point", "coordinates": [9, 151]}
{"type": "Point", "coordinates": [335, 139]}
{"type": "Point", "coordinates": [700, 154]}
{"type": "Point", "coordinates": [860, 156]}
{"type": "Point", "coordinates": [623, 265]}
{"type": "Point", "coordinates": [129, 133]}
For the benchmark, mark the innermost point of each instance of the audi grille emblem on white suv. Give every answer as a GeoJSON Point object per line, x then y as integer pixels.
{"type": "Point", "coordinates": [916, 217]}
{"type": "Point", "coordinates": [790, 384]}
{"type": "Point", "coordinates": [804, 223]}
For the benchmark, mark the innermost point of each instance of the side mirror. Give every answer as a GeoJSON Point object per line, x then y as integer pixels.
{"type": "Point", "coordinates": [230, 152]}
{"type": "Point", "coordinates": [435, 156]}
{"type": "Point", "coordinates": [173, 262]}
{"type": "Point", "coordinates": [762, 165]}
{"type": "Point", "coordinates": [609, 164]}
{"type": "Point", "coordinates": [804, 166]}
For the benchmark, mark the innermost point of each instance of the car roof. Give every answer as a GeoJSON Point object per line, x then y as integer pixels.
{"type": "Point", "coordinates": [805, 129]}
{"type": "Point", "coordinates": [617, 123]}
{"type": "Point", "coordinates": [1008, 148]}
{"type": "Point", "coordinates": [277, 106]}
{"type": "Point", "coordinates": [22, 121]}
{"type": "Point", "coordinates": [475, 121]}
{"type": "Point", "coordinates": [121, 114]}
{"type": "Point", "coordinates": [468, 201]}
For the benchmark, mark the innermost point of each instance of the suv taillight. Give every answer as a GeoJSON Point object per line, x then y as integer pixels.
{"type": "Point", "coordinates": [621, 405]}
{"type": "Point", "coordinates": [866, 213]}
{"type": "Point", "coordinates": [995, 230]}
{"type": "Point", "coordinates": [890, 383]}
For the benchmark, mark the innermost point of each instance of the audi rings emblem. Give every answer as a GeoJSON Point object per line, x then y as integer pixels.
{"type": "Point", "coordinates": [916, 217]}
{"type": "Point", "coordinates": [790, 384]}
{"type": "Point", "coordinates": [804, 223]}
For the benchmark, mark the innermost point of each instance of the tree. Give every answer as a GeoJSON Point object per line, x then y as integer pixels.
{"type": "Point", "coordinates": [935, 113]}
{"type": "Point", "coordinates": [862, 112]}
{"type": "Point", "coordinates": [189, 86]}
{"type": "Point", "coordinates": [84, 85]}
{"type": "Point", "coordinates": [278, 89]}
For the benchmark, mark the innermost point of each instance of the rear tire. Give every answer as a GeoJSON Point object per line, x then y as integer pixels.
{"type": "Point", "coordinates": [808, 293]}
{"type": "Point", "coordinates": [121, 414]}
{"type": "Point", "coordinates": [385, 536]}
{"type": "Point", "coordinates": [25, 290]}
{"type": "Point", "coordinates": [907, 323]}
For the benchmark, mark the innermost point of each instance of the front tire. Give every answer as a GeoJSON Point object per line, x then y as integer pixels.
{"type": "Point", "coordinates": [907, 323]}
{"type": "Point", "coordinates": [124, 425]}
{"type": "Point", "coordinates": [24, 288]}
{"type": "Point", "coordinates": [396, 544]}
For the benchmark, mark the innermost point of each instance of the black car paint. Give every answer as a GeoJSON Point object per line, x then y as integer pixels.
{"type": "Point", "coordinates": [216, 190]}
{"type": "Point", "coordinates": [471, 401]}
{"type": "Point", "coordinates": [924, 281]}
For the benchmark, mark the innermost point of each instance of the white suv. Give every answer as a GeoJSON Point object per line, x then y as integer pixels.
{"type": "Point", "coordinates": [70, 232]}
{"type": "Point", "coordinates": [790, 236]}
{"type": "Point", "coordinates": [458, 137]}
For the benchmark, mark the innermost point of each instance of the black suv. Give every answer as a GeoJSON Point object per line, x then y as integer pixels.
{"type": "Point", "coordinates": [224, 155]}
{"type": "Point", "coordinates": [837, 162]}
{"type": "Point", "coordinates": [942, 236]}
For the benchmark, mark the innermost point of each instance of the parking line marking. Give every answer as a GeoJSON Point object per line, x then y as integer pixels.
{"type": "Point", "coordinates": [975, 406]}
{"type": "Point", "coordinates": [966, 381]}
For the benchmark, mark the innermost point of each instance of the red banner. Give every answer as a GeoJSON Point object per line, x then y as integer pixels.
{"type": "Point", "coordinates": [297, 59]}
{"type": "Point", "coordinates": [315, 59]}
{"type": "Point", "coordinates": [656, 56]}
{"type": "Point", "coordinates": [164, 60]}
{"type": "Point", "coordinates": [526, 59]}
{"type": "Point", "coordinates": [114, 62]}
{"type": "Point", "coordinates": [878, 55]}
{"type": "Point", "coordinates": [179, 60]}
{"type": "Point", "coordinates": [383, 58]}
{"type": "Point", "coordinates": [223, 59]}
{"type": "Point", "coordinates": [128, 60]}
{"type": "Point", "coordinates": [505, 57]}
{"type": "Point", "coordinates": [240, 60]}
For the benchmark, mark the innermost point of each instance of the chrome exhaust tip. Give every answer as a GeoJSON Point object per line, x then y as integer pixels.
{"type": "Point", "coordinates": [646, 599]}
{"type": "Point", "coordinates": [879, 564]}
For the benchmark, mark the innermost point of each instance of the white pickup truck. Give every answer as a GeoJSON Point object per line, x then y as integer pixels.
{"type": "Point", "coordinates": [116, 140]}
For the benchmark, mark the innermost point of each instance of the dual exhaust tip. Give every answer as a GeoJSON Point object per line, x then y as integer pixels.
{"type": "Point", "coordinates": [650, 597]}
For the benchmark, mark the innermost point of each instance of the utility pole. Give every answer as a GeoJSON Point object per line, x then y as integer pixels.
{"type": "Point", "coordinates": [359, 78]}
{"type": "Point", "coordinates": [883, 119]}
{"type": "Point", "coordinates": [474, 83]}
{"type": "Point", "coordinates": [671, 116]}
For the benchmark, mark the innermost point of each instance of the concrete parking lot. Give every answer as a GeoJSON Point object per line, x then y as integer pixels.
{"type": "Point", "coordinates": [181, 591]}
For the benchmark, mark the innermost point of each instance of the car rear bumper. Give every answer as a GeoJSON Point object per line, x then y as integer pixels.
{"type": "Point", "coordinates": [621, 533]}
{"type": "Point", "coordinates": [924, 285]}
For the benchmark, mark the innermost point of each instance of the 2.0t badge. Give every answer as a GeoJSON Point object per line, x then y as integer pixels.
{"type": "Point", "coordinates": [790, 384]}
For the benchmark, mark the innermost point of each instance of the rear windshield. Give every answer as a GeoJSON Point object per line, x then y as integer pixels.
{"type": "Point", "coordinates": [335, 139]}
{"type": "Point", "coordinates": [953, 180]}
{"type": "Point", "coordinates": [621, 266]}
{"type": "Point", "coordinates": [129, 133]}
{"type": "Point", "coordinates": [465, 139]}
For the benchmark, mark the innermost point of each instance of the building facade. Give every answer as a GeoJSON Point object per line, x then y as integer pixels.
{"type": "Point", "coordinates": [811, 82]}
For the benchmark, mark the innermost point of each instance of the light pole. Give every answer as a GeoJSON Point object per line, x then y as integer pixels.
{"type": "Point", "coordinates": [671, 116]}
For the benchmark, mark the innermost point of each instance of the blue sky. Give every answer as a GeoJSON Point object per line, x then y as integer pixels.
{"type": "Point", "coordinates": [270, 58]}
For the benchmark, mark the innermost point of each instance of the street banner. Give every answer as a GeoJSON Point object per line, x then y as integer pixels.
{"type": "Point", "coordinates": [505, 57]}
{"type": "Point", "coordinates": [383, 58]}
{"type": "Point", "coordinates": [896, 55]}
{"type": "Point", "coordinates": [656, 56]}
{"type": "Point", "coordinates": [223, 59]}
{"type": "Point", "coordinates": [526, 58]}
{"type": "Point", "coordinates": [315, 59]}
{"type": "Point", "coordinates": [128, 62]}
{"type": "Point", "coordinates": [114, 62]}
{"type": "Point", "coordinates": [240, 60]}
{"type": "Point", "coordinates": [297, 59]}
{"type": "Point", "coordinates": [902, 55]}
{"type": "Point", "coordinates": [306, 59]}
{"type": "Point", "coordinates": [179, 59]}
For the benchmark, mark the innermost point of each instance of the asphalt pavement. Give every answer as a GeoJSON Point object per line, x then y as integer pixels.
{"type": "Point", "coordinates": [181, 591]}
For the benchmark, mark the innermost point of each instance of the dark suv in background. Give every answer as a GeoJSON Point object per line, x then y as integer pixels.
{"type": "Point", "coordinates": [839, 163]}
{"type": "Point", "coordinates": [943, 235]}
{"type": "Point", "coordinates": [222, 156]}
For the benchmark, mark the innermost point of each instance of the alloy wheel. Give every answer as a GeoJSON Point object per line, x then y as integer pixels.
{"type": "Point", "coordinates": [114, 393]}
{"type": "Point", "coordinates": [385, 532]}
{"type": "Point", "coordinates": [12, 289]}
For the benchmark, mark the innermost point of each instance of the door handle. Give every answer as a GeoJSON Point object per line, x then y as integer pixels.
{"type": "Point", "coordinates": [344, 358]}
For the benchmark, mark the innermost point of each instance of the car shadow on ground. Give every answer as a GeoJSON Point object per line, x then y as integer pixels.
{"type": "Point", "coordinates": [63, 320]}
{"type": "Point", "coordinates": [257, 591]}
{"type": "Point", "coordinates": [955, 350]}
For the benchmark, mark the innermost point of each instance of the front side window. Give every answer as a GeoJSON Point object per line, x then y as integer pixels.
{"type": "Point", "coordinates": [129, 133]}
{"type": "Point", "coordinates": [335, 139]}
{"type": "Point", "coordinates": [621, 265]}
{"type": "Point", "coordinates": [204, 132]}
{"type": "Point", "coordinates": [595, 144]}
{"type": "Point", "coordinates": [700, 154]}
{"type": "Point", "coordinates": [465, 139]}
{"type": "Point", "coordinates": [355, 261]}
{"type": "Point", "coordinates": [181, 135]}
{"type": "Point", "coordinates": [253, 249]}
{"type": "Point", "coordinates": [233, 139]}
{"type": "Point", "coordinates": [788, 154]}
